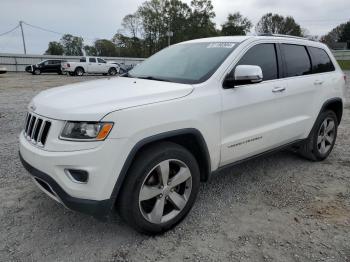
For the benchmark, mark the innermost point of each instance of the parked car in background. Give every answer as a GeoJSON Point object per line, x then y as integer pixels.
{"type": "Point", "coordinates": [46, 66]}
{"type": "Point", "coordinates": [3, 70]}
{"type": "Point", "coordinates": [94, 65]}
{"type": "Point", "coordinates": [123, 68]}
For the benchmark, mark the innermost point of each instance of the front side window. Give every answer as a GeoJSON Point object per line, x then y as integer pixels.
{"type": "Point", "coordinates": [263, 55]}
{"type": "Point", "coordinates": [101, 60]}
{"type": "Point", "coordinates": [92, 60]}
{"type": "Point", "coordinates": [321, 62]}
{"type": "Point", "coordinates": [188, 63]}
{"type": "Point", "coordinates": [297, 60]}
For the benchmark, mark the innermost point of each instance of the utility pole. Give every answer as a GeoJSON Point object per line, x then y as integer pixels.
{"type": "Point", "coordinates": [169, 34]}
{"type": "Point", "coordinates": [24, 42]}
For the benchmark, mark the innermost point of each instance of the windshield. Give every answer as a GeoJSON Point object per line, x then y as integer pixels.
{"type": "Point", "coordinates": [188, 63]}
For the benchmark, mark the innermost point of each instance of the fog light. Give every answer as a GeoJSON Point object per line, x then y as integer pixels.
{"type": "Point", "coordinates": [77, 176]}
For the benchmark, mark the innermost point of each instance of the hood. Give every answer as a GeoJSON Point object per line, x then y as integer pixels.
{"type": "Point", "coordinates": [92, 100]}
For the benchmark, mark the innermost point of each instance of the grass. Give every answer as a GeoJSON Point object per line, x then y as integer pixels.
{"type": "Point", "coordinates": [344, 64]}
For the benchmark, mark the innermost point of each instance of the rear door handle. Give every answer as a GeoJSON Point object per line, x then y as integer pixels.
{"type": "Point", "coordinates": [318, 82]}
{"type": "Point", "coordinates": [278, 89]}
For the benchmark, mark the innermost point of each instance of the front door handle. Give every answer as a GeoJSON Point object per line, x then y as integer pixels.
{"type": "Point", "coordinates": [278, 89]}
{"type": "Point", "coordinates": [318, 82]}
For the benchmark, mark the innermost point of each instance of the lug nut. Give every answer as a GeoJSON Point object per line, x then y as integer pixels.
{"type": "Point", "coordinates": [160, 196]}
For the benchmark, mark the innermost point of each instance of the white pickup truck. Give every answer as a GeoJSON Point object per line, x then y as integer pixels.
{"type": "Point", "coordinates": [94, 65]}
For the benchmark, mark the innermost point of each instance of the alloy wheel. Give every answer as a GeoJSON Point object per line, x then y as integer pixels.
{"type": "Point", "coordinates": [326, 136]}
{"type": "Point", "coordinates": [165, 191]}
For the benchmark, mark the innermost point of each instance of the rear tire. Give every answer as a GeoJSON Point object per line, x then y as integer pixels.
{"type": "Point", "coordinates": [322, 138]}
{"type": "Point", "coordinates": [149, 201]}
{"type": "Point", "coordinates": [71, 73]}
{"type": "Point", "coordinates": [79, 71]}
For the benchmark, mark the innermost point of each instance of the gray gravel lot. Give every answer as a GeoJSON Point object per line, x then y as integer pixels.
{"type": "Point", "coordinates": [277, 208]}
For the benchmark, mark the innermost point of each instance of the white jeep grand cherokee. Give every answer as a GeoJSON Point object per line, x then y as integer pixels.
{"type": "Point", "coordinates": [141, 143]}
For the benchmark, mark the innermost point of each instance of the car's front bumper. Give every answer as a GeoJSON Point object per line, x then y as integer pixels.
{"type": "Point", "coordinates": [99, 209]}
{"type": "Point", "coordinates": [102, 162]}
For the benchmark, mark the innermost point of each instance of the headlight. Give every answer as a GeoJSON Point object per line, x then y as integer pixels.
{"type": "Point", "coordinates": [86, 131]}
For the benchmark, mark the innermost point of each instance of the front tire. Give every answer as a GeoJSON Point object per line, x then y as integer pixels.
{"type": "Point", "coordinates": [37, 71]}
{"type": "Point", "coordinates": [112, 71]}
{"type": "Point", "coordinates": [322, 138]}
{"type": "Point", "coordinates": [160, 188]}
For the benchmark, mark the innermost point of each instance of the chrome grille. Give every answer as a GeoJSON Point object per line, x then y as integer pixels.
{"type": "Point", "coordinates": [36, 129]}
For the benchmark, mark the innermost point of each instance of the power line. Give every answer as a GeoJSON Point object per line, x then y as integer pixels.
{"type": "Point", "coordinates": [10, 31]}
{"type": "Point", "coordinates": [43, 29]}
{"type": "Point", "coordinates": [51, 31]}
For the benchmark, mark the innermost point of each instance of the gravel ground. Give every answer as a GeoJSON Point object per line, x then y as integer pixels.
{"type": "Point", "coordinates": [277, 208]}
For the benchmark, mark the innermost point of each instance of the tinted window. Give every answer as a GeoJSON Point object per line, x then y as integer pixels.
{"type": "Point", "coordinates": [92, 60]}
{"type": "Point", "coordinates": [297, 60]}
{"type": "Point", "coordinates": [263, 55]}
{"type": "Point", "coordinates": [320, 61]}
{"type": "Point", "coordinates": [83, 59]}
{"type": "Point", "coordinates": [101, 60]}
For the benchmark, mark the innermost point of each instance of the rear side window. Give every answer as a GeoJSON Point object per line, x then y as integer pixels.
{"type": "Point", "coordinates": [92, 60]}
{"type": "Point", "coordinates": [321, 62]}
{"type": "Point", "coordinates": [263, 55]}
{"type": "Point", "coordinates": [297, 60]}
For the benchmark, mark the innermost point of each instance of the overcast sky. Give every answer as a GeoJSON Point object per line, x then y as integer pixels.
{"type": "Point", "coordinates": [94, 19]}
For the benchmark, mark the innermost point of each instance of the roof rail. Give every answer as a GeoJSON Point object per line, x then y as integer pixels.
{"type": "Point", "coordinates": [287, 36]}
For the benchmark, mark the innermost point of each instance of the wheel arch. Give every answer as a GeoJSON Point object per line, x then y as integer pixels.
{"type": "Point", "coordinates": [190, 138]}
{"type": "Point", "coordinates": [80, 68]}
{"type": "Point", "coordinates": [334, 104]}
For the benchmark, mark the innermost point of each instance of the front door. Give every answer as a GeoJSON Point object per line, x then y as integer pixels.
{"type": "Point", "coordinates": [257, 117]}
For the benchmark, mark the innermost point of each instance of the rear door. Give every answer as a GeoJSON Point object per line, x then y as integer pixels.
{"type": "Point", "coordinates": [302, 87]}
{"type": "Point", "coordinates": [92, 65]}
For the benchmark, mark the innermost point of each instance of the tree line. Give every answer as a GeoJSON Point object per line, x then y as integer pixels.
{"type": "Point", "coordinates": [146, 31]}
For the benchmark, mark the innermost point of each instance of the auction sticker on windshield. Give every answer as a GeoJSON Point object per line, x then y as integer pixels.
{"type": "Point", "coordinates": [221, 45]}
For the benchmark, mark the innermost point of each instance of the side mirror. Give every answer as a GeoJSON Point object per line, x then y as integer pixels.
{"type": "Point", "coordinates": [243, 75]}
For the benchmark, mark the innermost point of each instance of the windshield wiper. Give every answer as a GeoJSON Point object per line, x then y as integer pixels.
{"type": "Point", "coordinates": [153, 78]}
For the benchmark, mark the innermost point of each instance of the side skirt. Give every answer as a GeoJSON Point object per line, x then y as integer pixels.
{"type": "Point", "coordinates": [263, 154]}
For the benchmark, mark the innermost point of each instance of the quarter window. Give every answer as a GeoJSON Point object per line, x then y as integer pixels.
{"type": "Point", "coordinates": [263, 55]}
{"type": "Point", "coordinates": [321, 62]}
{"type": "Point", "coordinates": [297, 60]}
